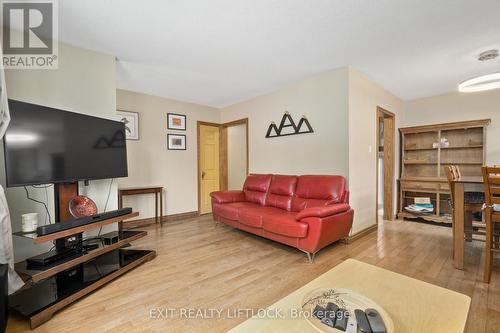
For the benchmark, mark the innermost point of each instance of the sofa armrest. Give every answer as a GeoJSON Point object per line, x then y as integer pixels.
{"type": "Point", "coordinates": [228, 196]}
{"type": "Point", "coordinates": [323, 211]}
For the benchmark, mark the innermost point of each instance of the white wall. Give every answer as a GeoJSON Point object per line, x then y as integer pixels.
{"type": "Point", "coordinates": [323, 99]}
{"type": "Point", "coordinates": [149, 161]}
{"type": "Point", "coordinates": [364, 97]}
{"type": "Point", "coordinates": [457, 106]}
{"type": "Point", "coordinates": [236, 156]}
{"type": "Point", "coordinates": [86, 83]}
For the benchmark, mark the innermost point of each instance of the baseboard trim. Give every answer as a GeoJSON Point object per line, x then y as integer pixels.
{"type": "Point", "coordinates": [362, 233]}
{"type": "Point", "coordinates": [166, 218]}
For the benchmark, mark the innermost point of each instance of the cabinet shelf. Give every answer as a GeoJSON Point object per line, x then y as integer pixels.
{"type": "Point", "coordinates": [419, 148]}
{"type": "Point", "coordinates": [419, 162]}
{"type": "Point", "coordinates": [443, 148]}
{"type": "Point", "coordinates": [462, 147]}
{"type": "Point", "coordinates": [461, 163]}
{"type": "Point", "coordinates": [423, 179]}
{"type": "Point", "coordinates": [423, 166]}
{"type": "Point", "coordinates": [430, 217]}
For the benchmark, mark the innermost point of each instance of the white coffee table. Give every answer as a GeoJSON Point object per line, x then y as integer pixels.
{"type": "Point", "coordinates": [414, 305]}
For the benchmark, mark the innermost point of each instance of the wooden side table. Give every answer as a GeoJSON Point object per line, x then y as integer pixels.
{"type": "Point", "coordinates": [157, 190]}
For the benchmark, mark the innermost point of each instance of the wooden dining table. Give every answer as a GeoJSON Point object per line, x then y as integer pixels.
{"type": "Point", "coordinates": [462, 184]}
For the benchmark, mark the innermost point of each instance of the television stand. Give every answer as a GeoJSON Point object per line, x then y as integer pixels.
{"type": "Point", "coordinates": [50, 288]}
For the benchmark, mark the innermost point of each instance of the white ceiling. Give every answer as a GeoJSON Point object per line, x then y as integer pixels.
{"type": "Point", "coordinates": [219, 52]}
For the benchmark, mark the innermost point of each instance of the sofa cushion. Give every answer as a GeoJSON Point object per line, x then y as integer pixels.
{"type": "Point", "coordinates": [256, 187]}
{"type": "Point", "coordinates": [314, 191]}
{"type": "Point", "coordinates": [285, 224]}
{"type": "Point", "coordinates": [230, 211]}
{"type": "Point", "coordinates": [281, 191]}
{"type": "Point", "coordinates": [253, 216]}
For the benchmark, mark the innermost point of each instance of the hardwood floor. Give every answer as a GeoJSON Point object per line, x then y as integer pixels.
{"type": "Point", "coordinates": [202, 266]}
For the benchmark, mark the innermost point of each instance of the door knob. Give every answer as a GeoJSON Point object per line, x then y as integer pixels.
{"type": "Point", "coordinates": [202, 174]}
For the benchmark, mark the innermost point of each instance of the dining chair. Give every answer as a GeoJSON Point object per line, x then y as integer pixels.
{"type": "Point", "coordinates": [473, 203]}
{"type": "Point", "coordinates": [491, 178]}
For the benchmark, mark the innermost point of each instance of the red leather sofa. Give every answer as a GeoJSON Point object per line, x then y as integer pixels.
{"type": "Point", "coordinates": [306, 212]}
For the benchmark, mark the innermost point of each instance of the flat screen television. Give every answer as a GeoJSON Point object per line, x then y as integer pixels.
{"type": "Point", "coordinates": [43, 145]}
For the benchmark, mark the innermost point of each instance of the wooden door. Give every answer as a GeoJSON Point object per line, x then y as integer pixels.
{"type": "Point", "coordinates": [388, 168]}
{"type": "Point", "coordinates": [209, 146]}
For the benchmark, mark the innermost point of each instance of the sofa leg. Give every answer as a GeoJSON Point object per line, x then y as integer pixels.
{"type": "Point", "coordinates": [310, 257]}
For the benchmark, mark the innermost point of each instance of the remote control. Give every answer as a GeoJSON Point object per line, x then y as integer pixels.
{"type": "Point", "coordinates": [319, 312]}
{"type": "Point", "coordinates": [341, 320]}
{"type": "Point", "coordinates": [352, 325]}
{"type": "Point", "coordinates": [376, 322]}
{"type": "Point", "coordinates": [331, 311]}
{"type": "Point", "coordinates": [363, 324]}
{"type": "Point", "coordinates": [328, 322]}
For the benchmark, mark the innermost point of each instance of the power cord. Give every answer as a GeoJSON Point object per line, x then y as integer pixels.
{"type": "Point", "coordinates": [109, 192]}
{"type": "Point", "coordinates": [38, 201]}
{"type": "Point", "coordinates": [106, 205]}
{"type": "Point", "coordinates": [46, 200]}
{"type": "Point", "coordinates": [45, 187]}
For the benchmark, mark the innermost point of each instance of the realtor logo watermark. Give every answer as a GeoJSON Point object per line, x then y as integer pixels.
{"type": "Point", "coordinates": [29, 34]}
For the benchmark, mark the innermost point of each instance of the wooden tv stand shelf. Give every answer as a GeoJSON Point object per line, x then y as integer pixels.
{"type": "Point", "coordinates": [73, 231]}
{"type": "Point", "coordinates": [48, 289]}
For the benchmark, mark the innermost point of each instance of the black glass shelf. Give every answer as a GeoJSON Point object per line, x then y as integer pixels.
{"type": "Point", "coordinates": [84, 277]}
{"type": "Point", "coordinates": [31, 235]}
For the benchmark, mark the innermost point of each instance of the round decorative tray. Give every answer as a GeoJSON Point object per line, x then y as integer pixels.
{"type": "Point", "coordinates": [344, 299]}
{"type": "Point", "coordinates": [81, 206]}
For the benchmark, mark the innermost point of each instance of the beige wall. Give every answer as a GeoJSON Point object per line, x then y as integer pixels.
{"type": "Point", "coordinates": [323, 99]}
{"type": "Point", "coordinates": [236, 156]}
{"type": "Point", "coordinates": [86, 83]}
{"type": "Point", "coordinates": [364, 97]}
{"type": "Point", "coordinates": [341, 106]}
{"type": "Point", "coordinates": [149, 161]}
{"type": "Point", "coordinates": [460, 107]}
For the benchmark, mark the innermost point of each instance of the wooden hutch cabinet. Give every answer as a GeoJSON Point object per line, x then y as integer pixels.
{"type": "Point", "coordinates": [425, 151]}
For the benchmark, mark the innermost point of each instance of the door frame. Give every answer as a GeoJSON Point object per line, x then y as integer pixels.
{"type": "Point", "coordinates": [223, 150]}
{"type": "Point", "coordinates": [198, 125]}
{"type": "Point", "coordinates": [388, 206]}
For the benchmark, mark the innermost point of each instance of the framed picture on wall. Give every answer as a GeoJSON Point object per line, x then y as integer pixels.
{"type": "Point", "coordinates": [176, 142]}
{"type": "Point", "coordinates": [131, 121]}
{"type": "Point", "coordinates": [176, 121]}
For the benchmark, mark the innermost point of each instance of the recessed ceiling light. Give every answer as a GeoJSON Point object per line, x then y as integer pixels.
{"type": "Point", "coordinates": [481, 83]}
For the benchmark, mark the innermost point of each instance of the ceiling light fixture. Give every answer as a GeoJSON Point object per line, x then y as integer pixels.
{"type": "Point", "coordinates": [483, 82]}
{"type": "Point", "coordinates": [488, 55]}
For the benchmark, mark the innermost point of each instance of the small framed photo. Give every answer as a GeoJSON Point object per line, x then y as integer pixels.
{"type": "Point", "coordinates": [131, 121]}
{"type": "Point", "coordinates": [176, 121]}
{"type": "Point", "coordinates": [176, 142]}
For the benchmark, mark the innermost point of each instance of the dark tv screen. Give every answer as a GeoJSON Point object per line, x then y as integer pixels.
{"type": "Point", "coordinates": [43, 145]}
